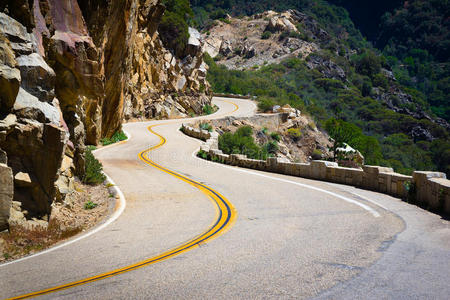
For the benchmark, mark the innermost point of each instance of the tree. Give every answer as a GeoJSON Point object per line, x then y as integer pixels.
{"type": "Point", "coordinates": [368, 63]}
{"type": "Point", "coordinates": [173, 27]}
{"type": "Point", "coordinates": [369, 148]}
{"type": "Point", "coordinates": [341, 132]}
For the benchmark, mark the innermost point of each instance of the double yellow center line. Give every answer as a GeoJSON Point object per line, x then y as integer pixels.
{"type": "Point", "coordinates": [225, 219]}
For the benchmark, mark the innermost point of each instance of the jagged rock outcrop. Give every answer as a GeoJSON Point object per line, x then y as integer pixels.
{"type": "Point", "coordinates": [239, 43]}
{"type": "Point", "coordinates": [9, 75]}
{"type": "Point", "coordinates": [70, 72]}
{"type": "Point", "coordinates": [280, 22]}
{"type": "Point", "coordinates": [327, 67]}
{"type": "Point", "coordinates": [30, 126]}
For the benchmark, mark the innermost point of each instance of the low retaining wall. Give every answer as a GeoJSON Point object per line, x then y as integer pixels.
{"type": "Point", "coordinates": [231, 96]}
{"type": "Point", "coordinates": [428, 189]}
{"type": "Point", "coordinates": [262, 120]}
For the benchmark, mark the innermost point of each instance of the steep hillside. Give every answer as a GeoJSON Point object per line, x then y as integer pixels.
{"type": "Point", "coordinates": [291, 58]}
{"type": "Point", "coordinates": [70, 72]}
{"type": "Point", "coordinates": [413, 35]}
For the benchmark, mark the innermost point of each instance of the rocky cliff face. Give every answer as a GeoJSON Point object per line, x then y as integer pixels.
{"type": "Point", "coordinates": [70, 73]}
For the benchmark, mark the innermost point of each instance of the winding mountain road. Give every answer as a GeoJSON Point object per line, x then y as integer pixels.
{"type": "Point", "coordinates": [193, 229]}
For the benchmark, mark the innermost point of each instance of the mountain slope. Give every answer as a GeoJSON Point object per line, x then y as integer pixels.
{"type": "Point", "coordinates": [321, 74]}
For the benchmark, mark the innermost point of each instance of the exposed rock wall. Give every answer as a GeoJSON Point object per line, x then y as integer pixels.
{"type": "Point", "coordinates": [70, 73]}
{"type": "Point", "coordinates": [31, 128]}
{"type": "Point", "coordinates": [6, 192]}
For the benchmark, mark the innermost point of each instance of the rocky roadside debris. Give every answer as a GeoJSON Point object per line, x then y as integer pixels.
{"type": "Point", "coordinates": [83, 208]}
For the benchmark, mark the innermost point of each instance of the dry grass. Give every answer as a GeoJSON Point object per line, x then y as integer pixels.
{"type": "Point", "coordinates": [23, 241]}
{"type": "Point", "coordinates": [66, 221]}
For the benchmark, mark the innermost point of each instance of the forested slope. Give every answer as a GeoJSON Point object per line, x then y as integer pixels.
{"type": "Point", "coordinates": [395, 95]}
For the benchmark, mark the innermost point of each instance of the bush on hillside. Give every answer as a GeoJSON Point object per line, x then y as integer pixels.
{"type": "Point", "coordinates": [241, 142]}
{"type": "Point", "coordinates": [116, 137]}
{"type": "Point", "coordinates": [92, 169]}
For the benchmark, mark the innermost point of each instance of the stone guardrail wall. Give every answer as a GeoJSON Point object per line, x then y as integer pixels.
{"type": "Point", "coordinates": [231, 96]}
{"type": "Point", "coordinates": [428, 189]}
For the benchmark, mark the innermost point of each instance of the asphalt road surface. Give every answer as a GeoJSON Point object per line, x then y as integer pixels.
{"type": "Point", "coordinates": [194, 229]}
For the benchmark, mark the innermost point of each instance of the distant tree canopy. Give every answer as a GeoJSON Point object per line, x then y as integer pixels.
{"type": "Point", "coordinates": [418, 24]}
{"type": "Point", "coordinates": [366, 14]}
{"type": "Point", "coordinates": [292, 82]}
{"type": "Point", "coordinates": [174, 25]}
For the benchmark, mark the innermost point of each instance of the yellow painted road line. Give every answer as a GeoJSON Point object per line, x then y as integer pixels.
{"type": "Point", "coordinates": [226, 217]}
{"type": "Point", "coordinates": [236, 107]}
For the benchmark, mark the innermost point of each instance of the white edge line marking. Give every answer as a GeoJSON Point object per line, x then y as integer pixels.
{"type": "Point", "coordinates": [112, 218]}
{"type": "Point", "coordinates": [370, 200]}
{"type": "Point", "coordinates": [368, 208]}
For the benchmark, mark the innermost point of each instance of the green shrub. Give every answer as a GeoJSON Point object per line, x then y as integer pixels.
{"type": "Point", "coordinates": [316, 155]}
{"type": "Point", "coordinates": [208, 109]}
{"type": "Point", "coordinates": [294, 133]}
{"type": "Point", "coordinates": [203, 154]}
{"type": "Point", "coordinates": [275, 136]}
{"type": "Point", "coordinates": [206, 126]}
{"type": "Point", "coordinates": [265, 104]}
{"type": "Point", "coordinates": [116, 137]}
{"type": "Point", "coordinates": [241, 142]}
{"type": "Point", "coordinates": [90, 205]}
{"type": "Point", "coordinates": [218, 57]}
{"type": "Point", "coordinates": [368, 63]}
{"type": "Point", "coordinates": [380, 80]}
{"type": "Point", "coordinates": [283, 35]}
{"type": "Point", "coordinates": [266, 35]}
{"type": "Point", "coordinates": [271, 147]}
{"type": "Point", "coordinates": [227, 21]}
{"type": "Point", "coordinates": [92, 169]}
{"type": "Point", "coordinates": [264, 130]}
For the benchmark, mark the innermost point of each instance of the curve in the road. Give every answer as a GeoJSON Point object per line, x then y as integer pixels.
{"type": "Point", "coordinates": [225, 219]}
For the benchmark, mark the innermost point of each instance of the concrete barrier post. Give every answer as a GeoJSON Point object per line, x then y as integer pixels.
{"type": "Point", "coordinates": [428, 191]}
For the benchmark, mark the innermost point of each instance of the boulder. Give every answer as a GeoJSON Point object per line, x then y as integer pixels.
{"type": "Point", "coordinates": [225, 48]}
{"type": "Point", "coordinates": [181, 83]}
{"type": "Point", "coordinates": [248, 51]}
{"type": "Point", "coordinates": [35, 153]}
{"type": "Point", "coordinates": [9, 87]}
{"type": "Point", "coordinates": [38, 78]}
{"type": "Point", "coordinates": [6, 194]}
{"type": "Point", "coordinates": [23, 42]}
{"type": "Point", "coordinates": [29, 107]}
{"type": "Point", "coordinates": [22, 180]}
{"type": "Point", "coordinates": [280, 24]}
{"type": "Point", "coordinates": [194, 45]}
{"type": "Point", "coordinates": [9, 76]}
